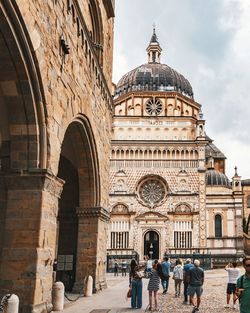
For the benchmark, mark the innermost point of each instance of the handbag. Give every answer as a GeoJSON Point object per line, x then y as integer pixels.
{"type": "Point", "coordinates": [139, 274]}
{"type": "Point", "coordinates": [129, 293]}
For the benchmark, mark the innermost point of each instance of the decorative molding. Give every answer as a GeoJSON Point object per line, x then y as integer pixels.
{"type": "Point", "coordinates": [150, 215]}
{"type": "Point", "coordinates": [35, 179]}
{"type": "Point", "coordinates": [95, 212]}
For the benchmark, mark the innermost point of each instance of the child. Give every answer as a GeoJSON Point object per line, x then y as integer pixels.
{"type": "Point", "coordinates": [154, 285]}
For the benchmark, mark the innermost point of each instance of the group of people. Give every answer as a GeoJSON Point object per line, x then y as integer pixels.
{"type": "Point", "coordinates": [159, 272]}
{"type": "Point", "coordinates": [123, 268]}
{"type": "Point", "coordinates": [192, 277]}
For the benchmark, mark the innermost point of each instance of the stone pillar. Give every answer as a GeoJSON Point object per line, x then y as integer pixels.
{"type": "Point", "coordinates": [29, 237]}
{"type": "Point", "coordinates": [238, 204]}
{"type": "Point", "coordinates": [202, 197]}
{"type": "Point", "coordinates": [91, 247]}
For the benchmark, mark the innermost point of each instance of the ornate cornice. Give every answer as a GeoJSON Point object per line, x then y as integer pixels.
{"type": "Point", "coordinates": [35, 179]}
{"type": "Point", "coordinates": [95, 212]}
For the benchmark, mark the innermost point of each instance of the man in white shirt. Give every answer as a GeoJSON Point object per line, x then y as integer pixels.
{"type": "Point", "coordinates": [233, 274]}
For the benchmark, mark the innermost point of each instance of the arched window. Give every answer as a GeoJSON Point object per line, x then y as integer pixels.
{"type": "Point", "coordinates": [218, 226]}
{"type": "Point", "coordinates": [97, 29]}
{"type": "Point", "coordinates": [248, 201]}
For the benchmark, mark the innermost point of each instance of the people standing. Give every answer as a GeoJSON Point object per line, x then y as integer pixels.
{"type": "Point", "coordinates": [135, 285]}
{"type": "Point", "coordinates": [124, 268]}
{"type": "Point", "coordinates": [165, 274]}
{"type": "Point", "coordinates": [243, 287]}
{"type": "Point", "coordinates": [233, 274]}
{"type": "Point", "coordinates": [153, 286]}
{"type": "Point", "coordinates": [178, 278]}
{"type": "Point", "coordinates": [149, 265]}
{"type": "Point", "coordinates": [186, 269]}
{"type": "Point", "coordinates": [116, 268]}
{"type": "Point", "coordinates": [196, 281]}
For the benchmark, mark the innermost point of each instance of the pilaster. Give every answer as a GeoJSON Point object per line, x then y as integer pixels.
{"type": "Point", "coordinates": [91, 247]}
{"type": "Point", "coordinates": [29, 236]}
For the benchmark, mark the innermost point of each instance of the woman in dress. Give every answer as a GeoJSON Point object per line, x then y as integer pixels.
{"type": "Point", "coordinates": [135, 285]}
{"type": "Point", "coordinates": [153, 286]}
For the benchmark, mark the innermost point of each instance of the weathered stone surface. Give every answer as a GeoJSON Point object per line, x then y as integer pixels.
{"type": "Point", "coordinates": [53, 106]}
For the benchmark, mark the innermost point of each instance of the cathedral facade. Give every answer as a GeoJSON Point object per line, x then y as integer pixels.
{"type": "Point", "coordinates": [168, 190]}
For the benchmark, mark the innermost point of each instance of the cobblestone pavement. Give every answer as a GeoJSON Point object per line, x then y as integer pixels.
{"type": "Point", "coordinates": [213, 298]}
{"type": "Point", "coordinates": [112, 300]}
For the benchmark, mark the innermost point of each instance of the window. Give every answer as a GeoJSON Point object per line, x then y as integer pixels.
{"type": "Point", "coordinates": [183, 234]}
{"type": "Point", "coordinates": [182, 239]}
{"type": "Point", "coordinates": [119, 240]}
{"type": "Point", "coordinates": [218, 229]}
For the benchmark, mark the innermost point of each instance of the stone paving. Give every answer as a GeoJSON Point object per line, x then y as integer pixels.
{"type": "Point", "coordinates": [113, 300]}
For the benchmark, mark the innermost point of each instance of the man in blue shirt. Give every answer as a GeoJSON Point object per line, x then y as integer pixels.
{"type": "Point", "coordinates": [186, 269]}
{"type": "Point", "coordinates": [165, 274]}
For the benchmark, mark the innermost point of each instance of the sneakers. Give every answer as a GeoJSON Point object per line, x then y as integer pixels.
{"type": "Point", "coordinates": [185, 302]}
{"type": "Point", "coordinates": [234, 306]}
{"type": "Point", "coordinates": [226, 306]}
{"type": "Point", "coordinates": [195, 309]}
{"type": "Point", "coordinates": [164, 291]}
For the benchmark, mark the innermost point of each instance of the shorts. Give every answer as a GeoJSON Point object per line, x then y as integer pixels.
{"type": "Point", "coordinates": [192, 290]}
{"type": "Point", "coordinates": [231, 288]}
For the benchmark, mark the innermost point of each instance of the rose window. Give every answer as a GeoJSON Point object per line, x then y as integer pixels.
{"type": "Point", "coordinates": [152, 192]}
{"type": "Point", "coordinates": [154, 106]}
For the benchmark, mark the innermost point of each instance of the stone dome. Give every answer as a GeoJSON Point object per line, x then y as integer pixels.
{"type": "Point", "coordinates": [216, 178]}
{"type": "Point", "coordinates": [154, 77]}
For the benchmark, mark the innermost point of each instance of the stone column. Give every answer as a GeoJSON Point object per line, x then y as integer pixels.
{"type": "Point", "coordinates": [91, 247]}
{"type": "Point", "coordinates": [29, 237]}
{"type": "Point", "coordinates": [238, 204]}
{"type": "Point", "coordinates": [202, 197]}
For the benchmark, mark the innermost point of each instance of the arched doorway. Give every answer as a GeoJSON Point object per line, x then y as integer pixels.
{"type": "Point", "coordinates": [151, 244]}
{"type": "Point", "coordinates": [23, 160]}
{"type": "Point", "coordinates": [79, 169]}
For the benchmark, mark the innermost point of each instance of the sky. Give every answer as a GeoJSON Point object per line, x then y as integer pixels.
{"type": "Point", "coordinates": [207, 41]}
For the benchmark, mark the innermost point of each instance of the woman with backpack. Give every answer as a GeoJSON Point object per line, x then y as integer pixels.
{"type": "Point", "coordinates": [178, 278]}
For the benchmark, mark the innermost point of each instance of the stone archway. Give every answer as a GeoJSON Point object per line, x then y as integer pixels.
{"type": "Point", "coordinates": [79, 211]}
{"type": "Point", "coordinates": [23, 157]}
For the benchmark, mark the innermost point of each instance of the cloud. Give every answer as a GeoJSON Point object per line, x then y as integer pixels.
{"type": "Point", "coordinates": [208, 42]}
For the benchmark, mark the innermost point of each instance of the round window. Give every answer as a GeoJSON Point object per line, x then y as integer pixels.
{"type": "Point", "coordinates": [152, 192]}
{"type": "Point", "coordinates": [153, 106]}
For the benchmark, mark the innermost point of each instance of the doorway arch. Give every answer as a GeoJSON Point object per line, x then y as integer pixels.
{"type": "Point", "coordinates": [78, 167]}
{"type": "Point", "coordinates": [151, 244]}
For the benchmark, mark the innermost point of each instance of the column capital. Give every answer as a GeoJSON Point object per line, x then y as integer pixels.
{"type": "Point", "coordinates": [37, 179]}
{"type": "Point", "coordinates": [95, 212]}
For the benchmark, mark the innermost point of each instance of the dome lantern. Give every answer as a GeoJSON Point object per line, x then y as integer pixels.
{"type": "Point", "coordinates": [154, 49]}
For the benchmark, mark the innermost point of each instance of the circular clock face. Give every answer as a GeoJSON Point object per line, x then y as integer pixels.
{"type": "Point", "coordinates": [153, 106]}
{"type": "Point", "coordinates": [152, 192]}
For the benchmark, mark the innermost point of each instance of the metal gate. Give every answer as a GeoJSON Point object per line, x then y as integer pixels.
{"type": "Point", "coordinates": [204, 258]}
{"type": "Point", "coordinates": [119, 257]}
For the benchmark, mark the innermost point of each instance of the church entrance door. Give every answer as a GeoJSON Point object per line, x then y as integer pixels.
{"type": "Point", "coordinates": [151, 245]}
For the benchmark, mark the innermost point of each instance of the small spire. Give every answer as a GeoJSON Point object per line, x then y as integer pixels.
{"type": "Point", "coordinates": [200, 114]}
{"type": "Point", "coordinates": [154, 36]}
{"type": "Point", "coordinates": [154, 48]}
{"type": "Point", "coordinates": [235, 169]}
